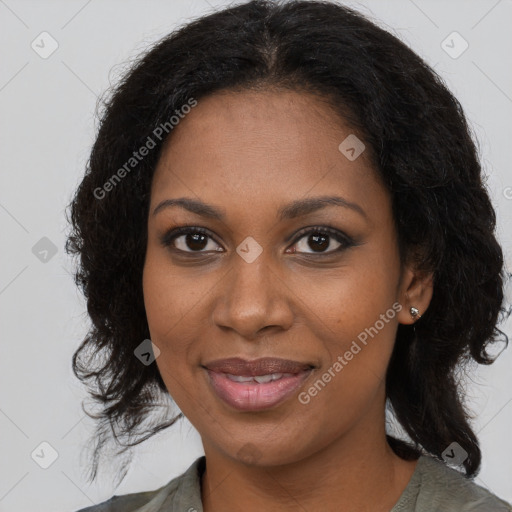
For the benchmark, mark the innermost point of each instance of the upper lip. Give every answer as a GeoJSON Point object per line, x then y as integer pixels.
{"type": "Point", "coordinates": [256, 367]}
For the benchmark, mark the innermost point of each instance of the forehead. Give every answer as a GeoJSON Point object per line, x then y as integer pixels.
{"type": "Point", "coordinates": [279, 145]}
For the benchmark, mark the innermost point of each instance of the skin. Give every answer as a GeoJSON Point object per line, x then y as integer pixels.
{"type": "Point", "coordinates": [249, 153]}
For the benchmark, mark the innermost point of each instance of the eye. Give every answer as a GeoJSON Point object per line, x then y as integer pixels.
{"type": "Point", "coordinates": [198, 240]}
{"type": "Point", "coordinates": [189, 239]}
{"type": "Point", "coordinates": [319, 238]}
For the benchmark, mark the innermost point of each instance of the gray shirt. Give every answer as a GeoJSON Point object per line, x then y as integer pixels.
{"type": "Point", "coordinates": [433, 487]}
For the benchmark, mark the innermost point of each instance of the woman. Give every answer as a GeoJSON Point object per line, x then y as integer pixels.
{"type": "Point", "coordinates": [284, 228]}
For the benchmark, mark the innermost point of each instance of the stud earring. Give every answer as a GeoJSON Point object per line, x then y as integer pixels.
{"type": "Point", "coordinates": [415, 313]}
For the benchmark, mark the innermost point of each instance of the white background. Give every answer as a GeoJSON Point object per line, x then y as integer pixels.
{"type": "Point", "coordinates": [46, 130]}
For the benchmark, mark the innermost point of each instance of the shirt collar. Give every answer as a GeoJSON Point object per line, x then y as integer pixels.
{"type": "Point", "coordinates": [182, 493]}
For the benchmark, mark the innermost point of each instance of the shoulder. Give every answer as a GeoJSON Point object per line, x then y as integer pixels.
{"type": "Point", "coordinates": [168, 497]}
{"type": "Point", "coordinates": [124, 503]}
{"type": "Point", "coordinates": [435, 487]}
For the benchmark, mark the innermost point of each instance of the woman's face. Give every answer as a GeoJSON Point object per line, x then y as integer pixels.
{"type": "Point", "coordinates": [255, 283]}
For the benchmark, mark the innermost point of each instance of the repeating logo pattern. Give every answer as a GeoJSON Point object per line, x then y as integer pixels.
{"type": "Point", "coordinates": [40, 55]}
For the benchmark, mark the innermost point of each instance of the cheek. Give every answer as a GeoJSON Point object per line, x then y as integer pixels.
{"type": "Point", "coordinates": [169, 303]}
{"type": "Point", "coordinates": [357, 350]}
{"type": "Point", "coordinates": [344, 302]}
{"type": "Point", "coordinates": [175, 300]}
{"type": "Point", "coordinates": [354, 311]}
{"type": "Point", "coordinates": [170, 294]}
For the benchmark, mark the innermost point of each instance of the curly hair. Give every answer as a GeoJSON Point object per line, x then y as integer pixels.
{"type": "Point", "coordinates": [422, 148]}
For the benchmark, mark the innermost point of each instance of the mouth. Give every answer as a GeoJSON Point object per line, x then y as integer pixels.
{"type": "Point", "coordinates": [256, 385]}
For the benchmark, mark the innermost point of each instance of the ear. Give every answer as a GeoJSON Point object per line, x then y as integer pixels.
{"type": "Point", "coordinates": [416, 291]}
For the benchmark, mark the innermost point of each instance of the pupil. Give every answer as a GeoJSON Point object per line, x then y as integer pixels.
{"type": "Point", "coordinates": [196, 241]}
{"type": "Point", "coordinates": [320, 239]}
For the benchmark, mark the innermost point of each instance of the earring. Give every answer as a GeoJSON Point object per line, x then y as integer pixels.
{"type": "Point", "coordinates": [415, 313]}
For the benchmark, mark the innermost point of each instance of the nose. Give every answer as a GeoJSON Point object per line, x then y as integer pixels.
{"type": "Point", "coordinates": [253, 299]}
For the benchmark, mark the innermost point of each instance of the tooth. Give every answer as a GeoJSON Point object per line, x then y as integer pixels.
{"type": "Point", "coordinates": [260, 379]}
{"type": "Point", "coordinates": [263, 379]}
{"type": "Point", "coordinates": [239, 378]}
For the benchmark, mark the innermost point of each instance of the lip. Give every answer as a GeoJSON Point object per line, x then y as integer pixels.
{"type": "Point", "coordinates": [254, 396]}
{"type": "Point", "coordinates": [262, 366]}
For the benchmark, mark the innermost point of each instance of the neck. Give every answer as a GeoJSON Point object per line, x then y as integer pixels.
{"type": "Point", "coordinates": [359, 471]}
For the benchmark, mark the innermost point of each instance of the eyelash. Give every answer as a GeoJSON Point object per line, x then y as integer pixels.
{"type": "Point", "coordinates": [345, 241]}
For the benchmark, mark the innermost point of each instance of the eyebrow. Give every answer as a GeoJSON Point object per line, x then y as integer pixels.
{"type": "Point", "coordinates": [292, 210]}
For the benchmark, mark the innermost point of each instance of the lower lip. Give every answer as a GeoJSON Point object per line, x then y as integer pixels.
{"type": "Point", "coordinates": [252, 396]}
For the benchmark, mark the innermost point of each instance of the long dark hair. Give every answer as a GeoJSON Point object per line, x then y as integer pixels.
{"type": "Point", "coordinates": [422, 148]}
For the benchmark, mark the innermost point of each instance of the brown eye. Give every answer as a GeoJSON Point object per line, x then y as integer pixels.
{"type": "Point", "coordinates": [321, 240]}
{"type": "Point", "coordinates": [190, 239]}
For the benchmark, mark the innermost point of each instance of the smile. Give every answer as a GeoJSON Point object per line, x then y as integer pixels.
{"type": "Point", "coordinates": [256, 385]}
